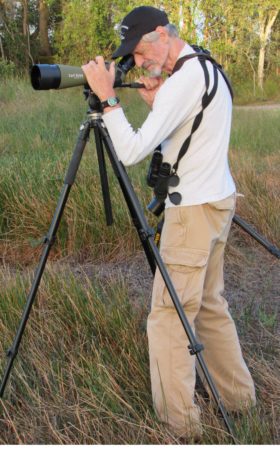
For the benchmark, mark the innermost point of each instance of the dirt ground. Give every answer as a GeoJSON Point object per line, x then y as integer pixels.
{"type": "Point", "coordinates": [265, 107]}
{"type": "Point", "coordinates": [252, 279]}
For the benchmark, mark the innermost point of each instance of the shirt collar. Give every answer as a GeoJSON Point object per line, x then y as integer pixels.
{"type": "Point", "coordinates": [186, 50]}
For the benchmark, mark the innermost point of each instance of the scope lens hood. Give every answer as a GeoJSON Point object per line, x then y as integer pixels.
{"type": "Point", "coordinates": [45, 76]}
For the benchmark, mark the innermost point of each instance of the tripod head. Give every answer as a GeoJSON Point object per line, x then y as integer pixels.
{"type": "Point", "coordinates": [93, 101]}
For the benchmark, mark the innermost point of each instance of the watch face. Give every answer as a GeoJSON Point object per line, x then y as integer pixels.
{"type": "Point", "coordinates": [112, 101]}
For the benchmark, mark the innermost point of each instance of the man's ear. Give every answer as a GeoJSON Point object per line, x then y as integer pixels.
{"type": "Point", "coordinates": [162, 32]}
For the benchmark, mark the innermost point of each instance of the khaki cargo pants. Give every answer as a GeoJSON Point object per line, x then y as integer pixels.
{"type": "Point", "coordinates": [192, 247]}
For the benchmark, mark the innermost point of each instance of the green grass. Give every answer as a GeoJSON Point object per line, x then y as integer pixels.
{"type": "Point", "coordinates": [255, 163]}
{"type": "Point", "coordinates": [38, 134]}
{"type": "Point", "coordinates": [82, 375]}
{"type": "Point", "coordinates": [246, 93]}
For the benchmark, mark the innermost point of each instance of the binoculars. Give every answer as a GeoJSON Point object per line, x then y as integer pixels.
{"type": "Point", "coordinates": [160, 176]}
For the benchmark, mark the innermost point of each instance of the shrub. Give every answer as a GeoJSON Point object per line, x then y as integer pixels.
{"type": "Point", "coordinates": [7, 69]}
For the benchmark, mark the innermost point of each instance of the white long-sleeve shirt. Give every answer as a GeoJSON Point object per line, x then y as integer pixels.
{"type": "Point", "coordinates": [203, 171]}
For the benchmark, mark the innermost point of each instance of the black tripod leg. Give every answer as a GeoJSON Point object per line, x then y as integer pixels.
{"type": "Point", "coordinates": [143, 234]}
{"type": "Point", "coordinates": [103, 177]}
{"type": "Point", "coordinates": [257, 236]}
{"type": "Point", "coordinates": [133, 204]}
{"type": "Point", "coordinates": [152, 250]}
{"type": "Point", "coordinates": [49, 240]}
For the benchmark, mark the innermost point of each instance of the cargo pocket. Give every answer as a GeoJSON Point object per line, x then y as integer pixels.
{"type": "Point", "coordinates": [186, 268]}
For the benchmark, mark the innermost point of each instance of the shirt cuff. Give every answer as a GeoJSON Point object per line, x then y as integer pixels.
{"type": "Point", "coordinates": [112, 116]}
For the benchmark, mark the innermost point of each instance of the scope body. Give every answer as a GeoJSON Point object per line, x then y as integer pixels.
{"type": "Point", "coordinates": [59, 76]}
{"type": "Point", "coordinates": [56, 76]}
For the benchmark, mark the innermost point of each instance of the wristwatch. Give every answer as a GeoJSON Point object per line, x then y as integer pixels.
{"type": "Point", "coordinates": [111, 101]}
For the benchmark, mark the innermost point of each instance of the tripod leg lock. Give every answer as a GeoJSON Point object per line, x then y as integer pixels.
{"type": "Point", "coordinates": [196, 348]}
{"type": "Point", "coordinates": [146, 234]}
{"type": "Point", "coordinates": [47, 240]}
{"type": "Point", "coordinates": [275, 251]}
{"type": "Point", "coordinates": [11, 353]}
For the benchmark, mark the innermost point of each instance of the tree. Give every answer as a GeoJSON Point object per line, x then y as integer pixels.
{"type": "Point", "coordinates": [45, 48]}
{"type": "Point", "coordinates": [183, 15]}
{"type": "Point", "coordinates": [26, 33]}
{"type": "Point", "coordinates": [274, 49]}
{"type": "Point", "coordinates": [239, 33]}
{"type": "Point", "coordinates": [243, 36]}
{"type": "Point", "coordinates": [16, 20]}
{"type": "Point", "coordinates": [11, 31]}
{"type": "Point", "coordinates": [267, 14]}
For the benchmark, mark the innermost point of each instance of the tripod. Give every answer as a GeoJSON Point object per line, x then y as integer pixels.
{"type": "Point", "coordinates": [146, 234]}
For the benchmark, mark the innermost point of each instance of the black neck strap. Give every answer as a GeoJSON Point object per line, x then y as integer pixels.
{"type": "Point", "coordinates": [202, 57]}
{"type": "Point", "coordinates": [206, 99]}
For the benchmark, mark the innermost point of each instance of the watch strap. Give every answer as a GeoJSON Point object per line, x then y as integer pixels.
{"type": "Point", "coordinates": [110, 102]}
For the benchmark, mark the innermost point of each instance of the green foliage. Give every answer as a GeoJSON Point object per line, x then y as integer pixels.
{"type": "Point", "coordinates": [232, 31]}
{"type": "Point", "coordinates": [95, 30]}
{"type": "Point", "coordinates": [269, 320]}
{"type": "Point", "coordinates": [14, 43]}
{"type": "Point", "coordinates": [92, 34]}
{"type": "Point", "coordinates": [81, 29]}
{"type": "Point", "coordinates": [248, 92]}
{"type": "Point", "coordinates": [7, 69]}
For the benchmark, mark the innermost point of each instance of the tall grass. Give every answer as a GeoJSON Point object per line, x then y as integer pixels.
{"type": "Point", "coordinates": [38, 132]}
{"type": "Point", "coordinates": [255, 163]}
{"type": "Point", "coordinates": [82, 376]}
{"type": "Point", "coordinates": [248, 92]}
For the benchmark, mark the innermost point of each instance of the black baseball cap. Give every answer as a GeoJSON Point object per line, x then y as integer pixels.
{"type": "Point", "coordinates": [138, 22]}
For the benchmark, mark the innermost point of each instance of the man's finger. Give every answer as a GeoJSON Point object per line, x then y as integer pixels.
{"type": "Point", "coordinates": [100, 60]}
{"type": "Point", "coordinates": [112, 68]}
{"type": "Point", "coordinates": [142, 80]}
{"type": "Point", "coordinates": [150, 83]}
{"type": "Point", "coordinates": [90, 65]}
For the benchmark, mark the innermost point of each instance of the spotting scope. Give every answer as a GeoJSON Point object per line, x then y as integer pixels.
{"type": "Point", "coordinates": [59, 76]}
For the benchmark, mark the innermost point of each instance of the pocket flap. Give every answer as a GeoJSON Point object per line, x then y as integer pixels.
{"type": "Point", "coordinates": [184, 256]}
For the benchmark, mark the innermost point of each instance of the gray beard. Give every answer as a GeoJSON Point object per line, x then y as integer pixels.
{"type": "Point", "coordinates": [156, 72]}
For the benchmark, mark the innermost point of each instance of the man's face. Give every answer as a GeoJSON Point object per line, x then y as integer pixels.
{"type": "Point", "coordinates": [151, 56]}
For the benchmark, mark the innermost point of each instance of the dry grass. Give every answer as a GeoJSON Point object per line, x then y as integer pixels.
{"type": "Point", "coordinates": [261, 191]}
{"type": "Point", "coordinates": [81, 376]}
{"type": "Point", "coordinates": [36, 147]}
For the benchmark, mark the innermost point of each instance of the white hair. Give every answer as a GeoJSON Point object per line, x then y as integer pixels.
{"type": "Point", "coordinates": [172, 30]}
{"type": "Point", "coordinates": [154, 35]}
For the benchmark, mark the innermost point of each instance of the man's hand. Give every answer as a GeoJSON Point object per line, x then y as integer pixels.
{"type": "Point", "coordinates": [100, 80]}
{"type": "Point", "coordinates": [152, 85]}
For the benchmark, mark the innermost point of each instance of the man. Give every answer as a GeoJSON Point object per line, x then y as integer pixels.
{"type": "Point", "coordinates": [195, 232]}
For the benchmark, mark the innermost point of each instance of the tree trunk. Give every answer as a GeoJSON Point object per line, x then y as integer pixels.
{"type": "Point", "coordinates": [25, 30]}
{"type": "Point", "coordinates": [2, 49]}
{"type": "Point", "coordinates": [277, 71]}
{"type": "Point", "coordinates": [261, 67]}
{"type": "Point", "coordinates": [45, 49]}
{"type": "Point", "coordinates": [266, 21]}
